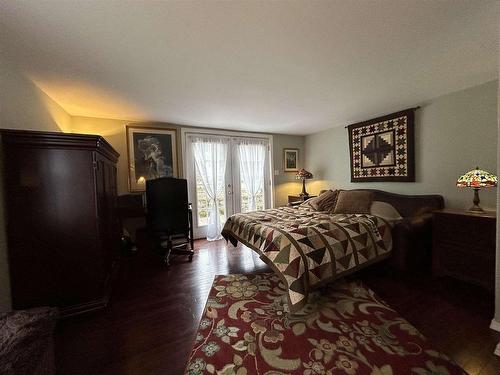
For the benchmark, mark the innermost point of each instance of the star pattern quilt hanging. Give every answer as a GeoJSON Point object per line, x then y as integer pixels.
{"type": "Point", "coordinates": [383, 149]}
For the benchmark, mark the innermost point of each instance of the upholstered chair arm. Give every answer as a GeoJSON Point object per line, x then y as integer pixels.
{"type": "Point", "coordinates": [412, 240]}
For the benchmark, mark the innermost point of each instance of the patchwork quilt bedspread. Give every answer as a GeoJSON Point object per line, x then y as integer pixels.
{"type": "Point", "coordinates": [308, 248]}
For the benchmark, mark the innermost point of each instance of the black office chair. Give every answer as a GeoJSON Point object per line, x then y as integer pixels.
{"type": "Point", "coordinates": [169, 216]}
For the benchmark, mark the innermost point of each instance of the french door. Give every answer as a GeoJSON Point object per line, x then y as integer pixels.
{"type": "Point", "coordinates": [245, 184]}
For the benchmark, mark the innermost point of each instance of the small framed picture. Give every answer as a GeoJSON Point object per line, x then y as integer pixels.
{"type": "Point", "coordinates": [291, 159]}
{"type": "Point", "coordinates": [152, 153]}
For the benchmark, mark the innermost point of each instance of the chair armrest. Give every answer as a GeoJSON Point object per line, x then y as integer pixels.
{"type": "Point", "coordinates": [420, 222]}
{"type": "Point", "coordinates": [415, 224]}
{"type": "Point", "coordinates": [412, 239]}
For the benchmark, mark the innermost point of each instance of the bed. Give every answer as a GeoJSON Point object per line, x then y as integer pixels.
{"type": "Point", "coordinates": [308, 248]}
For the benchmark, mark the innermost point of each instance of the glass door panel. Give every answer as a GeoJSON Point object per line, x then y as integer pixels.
{"type": "Point", "coordinates": [253, 173]}
{"type": "Point", "coordinates": [244, 199]}
{"type": "Point", "coordinates": [202, 201]}
{"type": "Point", "coordinates": [235, 197]}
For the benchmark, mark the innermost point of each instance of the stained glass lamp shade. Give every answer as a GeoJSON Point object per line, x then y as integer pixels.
{"type": "Point", "coordinates": [303, 175]}
{"type": "Point", "coordinates": [477, 179]}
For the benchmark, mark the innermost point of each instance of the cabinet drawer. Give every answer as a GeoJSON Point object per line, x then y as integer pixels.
{"type": "Point", "coordinates": [478, 232]}
{"type": "Point", "coordinates": [477, 267]}
{"type": "Point", "coordinates": [470, 248]}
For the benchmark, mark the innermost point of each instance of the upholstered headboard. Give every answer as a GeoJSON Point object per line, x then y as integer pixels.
{"type": "Point", "coordinates": [409, 205]}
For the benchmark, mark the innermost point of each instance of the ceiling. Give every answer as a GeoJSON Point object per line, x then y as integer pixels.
{"type": "Point", "coordinates": [292, 67]}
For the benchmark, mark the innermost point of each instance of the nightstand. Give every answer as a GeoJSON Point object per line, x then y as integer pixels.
{"type": "Point", "coordinates": [464, 246]}
{"type": "Point", "coordinates": [295, 199]}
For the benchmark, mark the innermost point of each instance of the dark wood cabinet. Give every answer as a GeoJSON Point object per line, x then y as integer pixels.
{"type": "Point", "coordinates": [62, 228]}
{"type": "Point", "coordinates": [464, 246]}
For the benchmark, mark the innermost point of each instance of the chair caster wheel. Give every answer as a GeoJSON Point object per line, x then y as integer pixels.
{"type": "Point", "coordinates": [166, 262]}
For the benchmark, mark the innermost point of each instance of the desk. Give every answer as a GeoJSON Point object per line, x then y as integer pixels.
{"type": "Point", "coordinates": [131, 206]}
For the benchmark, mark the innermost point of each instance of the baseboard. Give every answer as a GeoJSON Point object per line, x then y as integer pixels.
{"type": "Point", "coordinates": [495, 325]}
{"type": "Point", "coordinates": [83, 308]}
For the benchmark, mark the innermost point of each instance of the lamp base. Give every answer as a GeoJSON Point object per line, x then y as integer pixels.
{"type": "Point", "coordinates": [476, 208]}
{"type": "Point", "coordinates": [304, 192]}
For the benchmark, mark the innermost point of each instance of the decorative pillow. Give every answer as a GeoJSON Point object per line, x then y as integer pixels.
{"type": "Point", "coordinates": [313, 202]}
{"type": "Point", "coordinates": [353, 202]}
{"type": "Point", "coordinates": [328, 200]}
{"type": "Point", "coordinates": [310, 203]}
{"type": "Point", "coordinates": [386, 211]}
{"type": "Point", "coordinates": [324, 202]}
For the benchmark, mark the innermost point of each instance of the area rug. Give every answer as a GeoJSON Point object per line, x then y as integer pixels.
{"type": "Point", "coordinates": [344, 329]}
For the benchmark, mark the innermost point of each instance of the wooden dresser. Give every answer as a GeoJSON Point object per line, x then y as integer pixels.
{"type": "Point", "coordinates": [62, 228]}
{"type": "Point", "coordinates": [464, 246]}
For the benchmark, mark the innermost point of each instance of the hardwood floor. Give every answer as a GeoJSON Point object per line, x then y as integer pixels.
{"type": "Point", "coordinates": [453, 315]}
{"type": "Point", "coordinates": [150, 325]}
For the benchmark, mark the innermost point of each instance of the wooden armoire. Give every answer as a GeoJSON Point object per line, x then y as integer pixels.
{"type": "Point", "coordinates": [62, 228]}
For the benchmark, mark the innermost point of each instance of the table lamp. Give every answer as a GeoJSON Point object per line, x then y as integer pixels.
{"type": "Point", "coordinates": [303, 175]}
{"type": "Point", "coordinates": [477, 179]}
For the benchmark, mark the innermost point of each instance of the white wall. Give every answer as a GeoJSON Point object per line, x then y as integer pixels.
{"type": "Point", "coordinates": [25, 106]}
{"type": "Point", "coordinates": [5, 300]}
{"type": "Point", "coordinates": [114, 132]}
{"type": "Point", "coordinates": [449, 132]}
{"type": "Point", "coordinates": [22, 106]}
{"type": "Point", "coordinates": [497, 279]}
{"type": "Point", "coordinates": [285, 183]}
{"type": "Point", "coordinates": [453, 134]}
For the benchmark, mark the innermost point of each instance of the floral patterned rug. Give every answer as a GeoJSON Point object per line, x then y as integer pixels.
{"type": "Point", "coordinates": [345, 329]}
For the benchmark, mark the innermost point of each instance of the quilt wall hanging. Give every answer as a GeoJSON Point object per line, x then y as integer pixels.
{"type": "Point", "coordinates": [383, 149]}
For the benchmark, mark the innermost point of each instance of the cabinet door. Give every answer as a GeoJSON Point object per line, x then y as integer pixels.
{"type": "Point", "coordinates": [51, 228]}
{"type": "Point", "coordinates": [108, 223]}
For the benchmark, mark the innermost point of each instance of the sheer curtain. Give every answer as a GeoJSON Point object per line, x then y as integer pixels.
{"type": "Point", "coordinates": [252, 157]}
{"type": "Point", "coordinates": [210, 156]}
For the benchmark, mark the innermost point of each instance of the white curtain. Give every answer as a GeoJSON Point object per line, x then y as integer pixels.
{"type": "Point", "coordinates": [210, 156]}
{"type": "Point", "coordinates": [252, 157]}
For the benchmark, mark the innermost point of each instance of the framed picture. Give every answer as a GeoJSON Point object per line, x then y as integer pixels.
{"type": "Point", "coordinates": [152, 153]}
{"type": "Point", "coordinates": [291, 159]}
{"type": "Point", "coordinates": [383, 149]}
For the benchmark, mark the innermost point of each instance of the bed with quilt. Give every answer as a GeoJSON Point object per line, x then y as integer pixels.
{"type": "Point", "coordinates": [321, 240]}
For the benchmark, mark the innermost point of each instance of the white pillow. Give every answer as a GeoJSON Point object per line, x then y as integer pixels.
{"type": "Point", "coordinates": [385, 211]}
